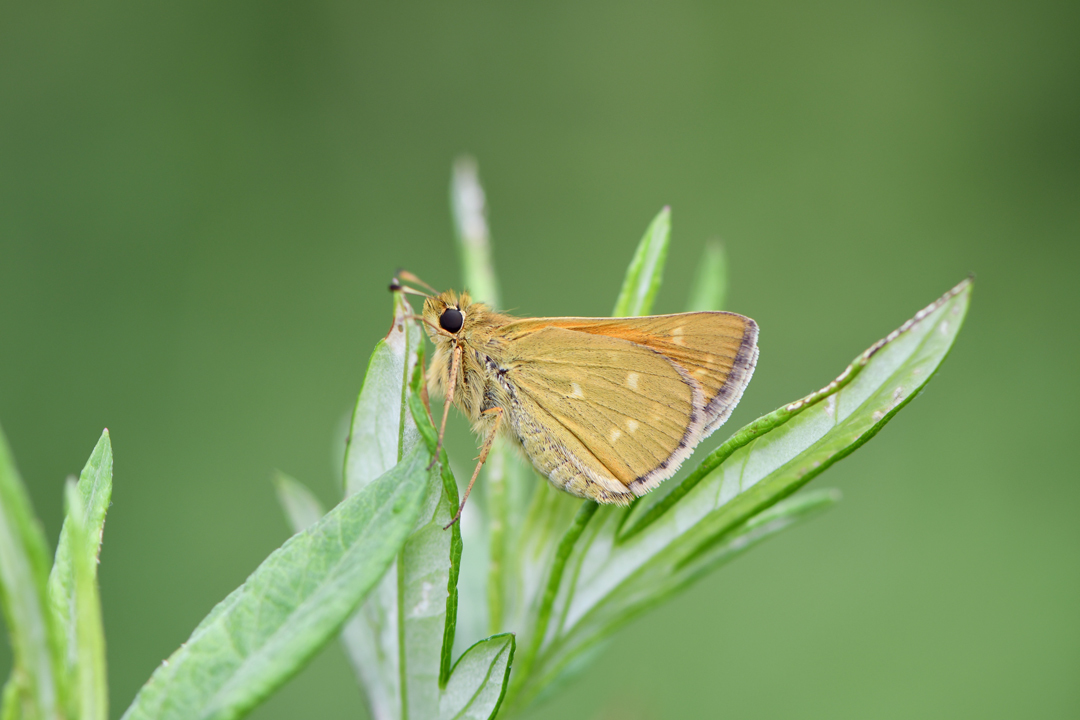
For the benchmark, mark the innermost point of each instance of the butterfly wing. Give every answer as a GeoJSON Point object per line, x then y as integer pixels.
{"type": "Point", "coordinates": [609, 408]}
{"type": "Point", "coordinates": [718, 349]}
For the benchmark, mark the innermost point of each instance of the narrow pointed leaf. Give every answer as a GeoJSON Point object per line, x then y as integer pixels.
{"type": "Point", "coordinates": [646, 270]}
{"type": "Point", "coordinates": [626, 561]}
{"type": "Point", "coordinates": [709, 290]}
{"type": "Point", "coordinates": [35, 645]}
{"type": "Point", "coordinates": [478, 682]}
{"type": "Point", "coordinates": [469, 207]}
{"type": "Point", "coordinates": [95, 492]}
{"type": "Point", "coordinates": [89, 691]}
{"type": "Point", "coordinates": [300, 596]}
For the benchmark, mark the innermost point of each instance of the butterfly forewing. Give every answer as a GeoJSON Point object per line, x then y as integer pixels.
{"type": "Point", "coordinates": [717, 349]}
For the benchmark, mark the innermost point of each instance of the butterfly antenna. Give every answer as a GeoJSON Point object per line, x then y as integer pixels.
{"type": "Point", "coordinates": [409, 277]}
{"type": "Point", "coordinates": [396, 286]}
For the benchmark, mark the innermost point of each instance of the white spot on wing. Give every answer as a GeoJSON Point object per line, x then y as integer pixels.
{"type": "Point", "coordinates": [615, 435]}
{"type": "Point", "coordinates": [631, 425]}
{"type": "Point", "coordinates": [576, 390]}
{"type": "Point", "coordinates": [631, 380]}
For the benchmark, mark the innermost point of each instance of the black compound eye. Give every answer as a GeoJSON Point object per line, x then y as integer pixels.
{"type": "Point", "coordinates": [451, 320]}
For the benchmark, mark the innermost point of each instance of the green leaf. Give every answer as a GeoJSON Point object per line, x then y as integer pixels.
{"type": "Point", "coordinates": [478, 681]}
{"type": "Point", "coordinates": [646, 269]}
{"type": "Point", "coordinates": [469, 208]}
{"type": "Point", "coordinates": [710, 284]}
{"type": "Point", "coordinates": [301, 506]}
{"type": "Point", "coordinates": [408, 673]}
{"type": "Point", "coordinates": [11, 707]}
{"type": "Point", "coordinates": [89, 692]}
{"type": "Point", "coordinates": [35, 688]}
{"type": "Point", "coordinates": [298, 598]}
{"type": "Point", "coordinates": [396, 640]}
{"type": "Point", "coordinates": [381, 433]}
{"type": "Point", "coordinates": [95, 493]}
{"type": "Point", "coordinates": [665, 541]}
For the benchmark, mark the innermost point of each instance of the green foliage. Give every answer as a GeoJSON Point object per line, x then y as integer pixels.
{"type": "Point", "coordinates": [710, 284]}
{"type": "Point", "coordinates": [646, 271]}
{"type": "Point", "coordinates": [89, 696]}
{"type": "Point", "coordinates": [35, 689]}
{"type": "Point", "coordinates": [561, 574]}
{"type": "Point", "coordinates": [60, 651]}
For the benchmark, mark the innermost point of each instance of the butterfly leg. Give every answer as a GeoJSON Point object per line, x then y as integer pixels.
{"type": "Point", "coordinates": [455, 362]}
{"type": "Point", "coordinates": [483, 457]}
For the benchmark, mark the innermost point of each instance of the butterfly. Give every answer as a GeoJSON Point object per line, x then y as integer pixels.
{"type": "Point", "coordinates": [604, 408]}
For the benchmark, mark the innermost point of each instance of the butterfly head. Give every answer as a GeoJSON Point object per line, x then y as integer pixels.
{"type": "Point", "coordinates": [450, 317]}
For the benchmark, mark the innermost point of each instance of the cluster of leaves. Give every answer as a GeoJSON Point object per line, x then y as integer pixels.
{"type": "Point", "coordinates": [431, 632]}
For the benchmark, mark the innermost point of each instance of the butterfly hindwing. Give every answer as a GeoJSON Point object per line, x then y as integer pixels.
{"type": "Point", "coordinates": [621, 410]}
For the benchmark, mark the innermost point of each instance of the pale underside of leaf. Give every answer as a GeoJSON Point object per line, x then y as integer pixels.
{"type": "Point", "coordinates": [382, 432]}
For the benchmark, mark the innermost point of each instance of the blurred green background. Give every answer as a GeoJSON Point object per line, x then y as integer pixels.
{"type": "Point", "coordinates": [201, 205]}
